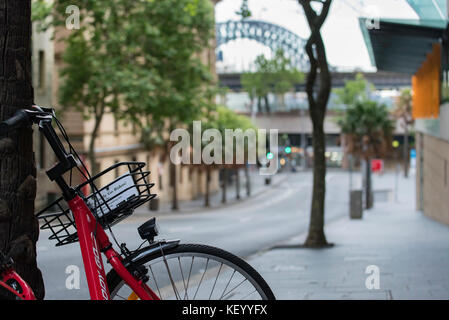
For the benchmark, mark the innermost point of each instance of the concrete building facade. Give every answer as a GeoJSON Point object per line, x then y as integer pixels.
{"type": "Point", "coordinates": [420, 48]}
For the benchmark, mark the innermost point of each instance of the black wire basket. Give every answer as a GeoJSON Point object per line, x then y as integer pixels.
{"type": "Point", "coordinates": [109, 204]}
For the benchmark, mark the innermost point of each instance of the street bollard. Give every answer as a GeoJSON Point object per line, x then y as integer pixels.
{"type": "Point", "coordinates": [356, 207]}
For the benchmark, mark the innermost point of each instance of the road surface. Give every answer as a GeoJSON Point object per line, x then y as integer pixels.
{"type": "Point", "coordinates": [244, 228]}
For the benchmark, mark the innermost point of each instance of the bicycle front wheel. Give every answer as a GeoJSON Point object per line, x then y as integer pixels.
{"type": "Point", "coordinates": [196, 272]}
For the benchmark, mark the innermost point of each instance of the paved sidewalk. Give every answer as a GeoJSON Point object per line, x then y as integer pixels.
{"type": "Point", "coordinates": [257, 185]}
{"type": "Point", "coordinates": [410, 250]}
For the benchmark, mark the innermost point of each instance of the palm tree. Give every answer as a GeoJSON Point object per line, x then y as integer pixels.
{"type": "Point", "coordinates": [368, 129]}
{"type": "Point", "coordinates": [19, 229]}
{"type": "Point", "coordinates": [403, 112]}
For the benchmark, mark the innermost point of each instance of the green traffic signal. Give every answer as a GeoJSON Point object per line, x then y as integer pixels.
{"type": "Point", "coordinates": [270, 155]}
{"type": "Point", "coordinates": [288, 150]}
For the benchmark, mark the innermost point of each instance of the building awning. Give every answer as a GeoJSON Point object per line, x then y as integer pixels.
{"type": "Point", "coordinates": [429, 9]}
{"type": "Point", "coordinates": [401, 45]}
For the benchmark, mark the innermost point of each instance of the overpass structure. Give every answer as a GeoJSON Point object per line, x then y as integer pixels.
{"type": "Point", "coordinates": [381, 80]}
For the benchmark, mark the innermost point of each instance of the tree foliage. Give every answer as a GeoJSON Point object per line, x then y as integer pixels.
{"type": "Point", "coordinates": [403, 107]}
{"type": "Point", "coordinates": [369, 129]}
{"type": "Point", "coordinates": [244, 11]}
{"type": "Point", "coordinates": [353, 91]}
{"type": "Point", "coordinates": [139, 60]}
{"type": "Point", "coordinates": [275, 75]}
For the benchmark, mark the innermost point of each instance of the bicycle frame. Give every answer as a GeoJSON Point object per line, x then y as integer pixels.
{"type": "Point", "coordinates": [25, 293]}
{"type": "Point", "coordinates": [93, 240]}
{"type": "Point", "coordinates": [92, 237]}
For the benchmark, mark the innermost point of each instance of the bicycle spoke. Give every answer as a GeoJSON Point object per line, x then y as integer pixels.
{"type": "Point", "coordinates": [248, 295]}
{"type": "Point", "coordinates": [188, 280]}
{"type": "Point", "coordinates": [191, 275]}
{"type": "Point", "coordinates": [207, 263]}
{"type": "Point", "coordinates": [216, 280]}
{"type": "Point", "coordinates": [183, 281]}
{"type": "Point", "coordinates": [175, 291]}
{"type": "Point", "coordinates": [151, 269]}
{"type": "Point", "coordinates": [222, 294]}
{"type": "Point", "coordinates": [236, 286]}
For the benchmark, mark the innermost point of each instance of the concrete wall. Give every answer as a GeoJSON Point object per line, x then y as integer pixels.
{"type": "Point", "coordinates": [435, 177]}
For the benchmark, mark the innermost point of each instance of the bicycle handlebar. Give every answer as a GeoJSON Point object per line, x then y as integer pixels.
{"type": "Point", "coordinates": [43, 117]}
{"type": "Point", "coordinates": [25, 117]}
{"type": "Point", "coordinates": [16, 121]}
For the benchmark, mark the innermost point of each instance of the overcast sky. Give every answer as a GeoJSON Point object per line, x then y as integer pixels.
{"type": "Point", "coordinates": [341, 32]}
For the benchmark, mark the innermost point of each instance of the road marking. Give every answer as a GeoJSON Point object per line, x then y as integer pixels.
{"type": "Point", "coordinates": [245, 219]}
{"type": "Point", "coordinates": [180, 229]}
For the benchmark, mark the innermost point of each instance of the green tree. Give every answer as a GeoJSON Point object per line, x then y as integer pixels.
{"type": "Point", "coordinates": [368, 128]}
{"type": "Point", "coordinates": [228, 119]}
{"type": "Point", "coordinates": [275, 75]}
{"type": "Point", "coordinates": [403, 113]}
{"type": "Point", "coordinates": [136, 59]}
{"type": "Point", "coordinates": [257, 84]}
{"type": "Point", "coordinates": [244, 11]}
{"type": "Point", "coordinates": [353, 91]}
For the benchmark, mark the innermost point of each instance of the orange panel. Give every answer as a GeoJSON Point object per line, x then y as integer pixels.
{"type": "Point", "coordinates": [426, 85]}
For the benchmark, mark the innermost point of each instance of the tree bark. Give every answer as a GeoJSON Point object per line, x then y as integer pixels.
{"type": "Point", "coordinates": [19, 229]}
{"type": "Point", "coordinates": [206, 196]}
{"type": "Point", "coordinates": [91, 151]}
{"type": "Point", "coordinates": [316, 236]}
{"type": "Point", "coordinates": [368, 184]}
{"type": "Point", "coordinates": [259, 104]}
{"type": "Point", "coordinates": [317, 109]}
{"type": "Point", "coordinates": [237, 184]}
{"type": "Point", "coordinates": [267, 104]}
{"type": "Point", "coordinates": [224, 185]}
{"type": "Point", "coordinates": [248, 182]}
{"type": "Point", "coordinates": [406, 152]}
{"type": "Point", "coordinates": [173, 176]}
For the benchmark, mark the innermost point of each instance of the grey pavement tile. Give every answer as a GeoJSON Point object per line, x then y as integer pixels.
{"type": "Point", "coordinates": [410, 250]}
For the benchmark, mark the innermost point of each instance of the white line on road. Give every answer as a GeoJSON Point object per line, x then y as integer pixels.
{"type": "Point", "coordinates": [180, 229]}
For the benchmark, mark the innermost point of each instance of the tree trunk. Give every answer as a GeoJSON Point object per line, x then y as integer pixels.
{"type": "Point", "coordinates": [19, 229]}
{"type": "Point", "coordinates": [248, 182]}
{"type": "Point", "coordinates": [316, 236]}
{"type": "Point", "coordinates": [224, 185]}
{"type": "Point", "coordinates": [206, 196]}
{"type": "Point", "coordinates": [174, 178]}
{"type": "Point", "coordinates": [368, 185]}
{"type": "Point", "coordinates": [406, 152]}
{"type": "Point", "coordinates": [259, 104]}
{"type": "Point", "coordinates": [237, 184]}
{"type": "Point", "coordinates": [267, 104]}
{"type": "Point", "coordinates": [91, 152]}
{"type": "Point", "coordinates": [317, 109]}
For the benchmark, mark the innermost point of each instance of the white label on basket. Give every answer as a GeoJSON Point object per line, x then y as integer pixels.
{"type": "Point", "coordinates": [116, 193]}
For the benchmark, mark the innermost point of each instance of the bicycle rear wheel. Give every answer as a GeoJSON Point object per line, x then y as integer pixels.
{"type": "Point", "coordinates": [196, 272]}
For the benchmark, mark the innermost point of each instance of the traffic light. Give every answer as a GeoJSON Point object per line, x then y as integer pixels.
{"type": "Point", "coordinates": [270, 155]}
{"type": "Point", "coordinates": [288, 150]}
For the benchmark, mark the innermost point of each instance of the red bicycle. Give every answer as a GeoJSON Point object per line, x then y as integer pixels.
{"type": "Point", "coordinates": [157, 269]}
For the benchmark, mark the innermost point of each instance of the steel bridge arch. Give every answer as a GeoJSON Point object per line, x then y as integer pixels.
{"type": "Point", "coordinates": [271, 35]}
